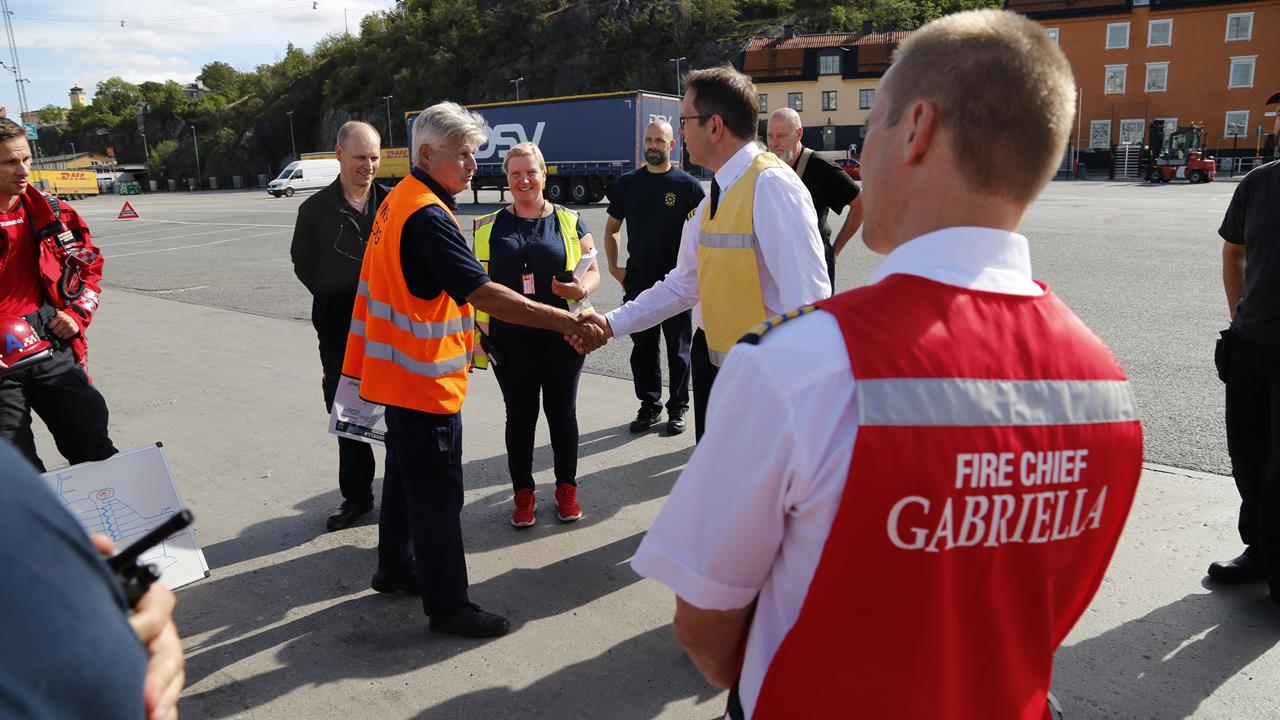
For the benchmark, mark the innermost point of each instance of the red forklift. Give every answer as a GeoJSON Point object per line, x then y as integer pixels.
{"type": "Point", "coordinates": [1180, 154]}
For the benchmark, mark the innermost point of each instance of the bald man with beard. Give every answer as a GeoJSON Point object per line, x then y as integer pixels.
{"type": "Point", "coordinates": [830, 186]}
{"type": "Point", "coordinates": [654, 200]}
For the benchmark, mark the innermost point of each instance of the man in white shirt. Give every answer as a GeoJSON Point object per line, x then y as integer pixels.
{"type": "Point", "coordinates": [875, 544]}
{"type": "Point", "coordinates": [748, 252]}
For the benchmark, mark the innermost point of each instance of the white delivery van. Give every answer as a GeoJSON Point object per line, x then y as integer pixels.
{"type": "Point", "coordinates": [303, 175]}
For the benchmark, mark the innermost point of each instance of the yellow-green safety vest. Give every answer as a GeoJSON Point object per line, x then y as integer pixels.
{"type": "Point", "coordinates": [568, 223]}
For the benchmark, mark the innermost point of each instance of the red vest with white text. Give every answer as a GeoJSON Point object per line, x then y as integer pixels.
{"type": "Point", "coordinates": [996, 459]}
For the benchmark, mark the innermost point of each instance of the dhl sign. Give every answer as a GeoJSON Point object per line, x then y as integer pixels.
{"type": "Point", "coordinates": [395, 161]}
{"type": "Point", "coordinates": [66, 182]}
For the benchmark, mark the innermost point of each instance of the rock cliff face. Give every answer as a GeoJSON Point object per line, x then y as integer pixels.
{"type": "Point", "coordinates": [470, 51]}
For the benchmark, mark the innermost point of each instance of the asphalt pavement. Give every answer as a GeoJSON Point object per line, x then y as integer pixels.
{"type": "Point", "coordinates": [202, 343]}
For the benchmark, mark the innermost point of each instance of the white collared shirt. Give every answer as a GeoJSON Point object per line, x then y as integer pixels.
{"type": "Point", "coordinates": [789, 254]}
{"type": "Point", "coordinates": [750, 514]}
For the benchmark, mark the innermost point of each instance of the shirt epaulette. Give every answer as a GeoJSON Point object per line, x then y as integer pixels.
{"type": "Point", "coordinates": [754, 335]}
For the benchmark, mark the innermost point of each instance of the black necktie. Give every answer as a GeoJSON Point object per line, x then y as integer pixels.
{"type": "Point", "coordinates": [715, 197]}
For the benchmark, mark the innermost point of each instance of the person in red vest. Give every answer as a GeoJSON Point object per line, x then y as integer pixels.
{"type": "Point", "coordinates": [50, 272]}
{"type": "Point", "coordinates": [909, 494]}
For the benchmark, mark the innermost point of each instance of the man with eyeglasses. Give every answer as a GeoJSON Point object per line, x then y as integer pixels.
{"type": "Point", "coordinates": [751, 249]}
{"type": "Point", "coordinates": [329, 237]}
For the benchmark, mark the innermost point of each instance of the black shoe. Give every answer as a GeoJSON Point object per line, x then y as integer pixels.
{"type": "Point", "coordinates": [471, 621]}
{"type": "Point", "coordinates": [385, 582]}
{"type": "Point", "coordinates": [348, 513]}
{"type": "Point", "coordinates": [646, 418]}
{"type": "Point", "coordinates": [675, 422]}
{"type": "Point", "coordinates": [1237, 570]}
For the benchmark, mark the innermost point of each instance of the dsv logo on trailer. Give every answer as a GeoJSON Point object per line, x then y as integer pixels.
{"type": "Point", "coordinates": [502, 137]}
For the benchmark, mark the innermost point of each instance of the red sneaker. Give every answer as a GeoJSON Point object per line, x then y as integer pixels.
{"type": "Point", "coordinates": [567, 503]}
{"type": "Point", "coordinates": [526, 503]}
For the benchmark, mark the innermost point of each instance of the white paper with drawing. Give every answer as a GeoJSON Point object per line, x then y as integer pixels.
{"type": "Point", "coordinates": [126, 496]}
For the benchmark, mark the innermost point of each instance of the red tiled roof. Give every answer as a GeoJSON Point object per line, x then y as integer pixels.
{"type": "Point", "coordinates": [826, 40]}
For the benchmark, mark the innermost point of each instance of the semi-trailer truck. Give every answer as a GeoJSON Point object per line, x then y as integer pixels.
{"type": "Point", "coordinates": [588, 141]}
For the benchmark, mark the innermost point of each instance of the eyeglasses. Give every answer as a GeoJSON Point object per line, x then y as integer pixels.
{"type": "Point", "coordinates": [699, 118]}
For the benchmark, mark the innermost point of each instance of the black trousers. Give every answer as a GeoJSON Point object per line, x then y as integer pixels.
{"type": "Point", "coordinates": [1253, 441]}
{"type": "Point", "coordinates": [419, 528]}
{"type": "Point", "coordinates": [646, 363]}
{"type": "Point", "coordinates": [58, 390]}
{"type": "Point", "coordinates": [355, 459]}
{"type": "Point", "coordinates": [704, 375]}
{"type": "Point", "coordinates": [538, 363]}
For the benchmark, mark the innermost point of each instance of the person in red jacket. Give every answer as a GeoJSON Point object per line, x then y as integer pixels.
{"type": "Point", "coordinates": [49, 275]}
{"type": "Point", "coordinates": [909, 494]}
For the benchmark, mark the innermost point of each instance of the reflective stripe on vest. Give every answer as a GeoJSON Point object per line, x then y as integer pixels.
{"type": "Point", "coordinates": [420, 330]}
{"type": "Point", "coordinates": [406, 351]}
{"type": "Point", "coordinates": [996, 458]}
{"type": "Point", "coordinates": [729, 288]}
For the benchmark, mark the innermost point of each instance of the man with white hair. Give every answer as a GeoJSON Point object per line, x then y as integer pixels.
{"type": "Point", "coordinates": [926, 508]}
{"type": "Point", "coordinates": [410, 346]}
{"type": "Point", "coordinates": [830, 187]}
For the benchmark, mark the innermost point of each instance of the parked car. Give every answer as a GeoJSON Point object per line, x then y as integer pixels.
{"type": "Point", "coordinates": [853, 167]}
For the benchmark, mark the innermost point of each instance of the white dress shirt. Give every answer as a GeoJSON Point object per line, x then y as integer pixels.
{"type": "Point", "coordinates": [789, 253]}
{"type": "Point", "coordinates": [750, 514]}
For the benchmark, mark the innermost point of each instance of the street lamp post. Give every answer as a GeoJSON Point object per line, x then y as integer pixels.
{"type": "Point", "coordinates": [517, 82]}
{"type": "Point", "coordinates": [196, 141]}
{"type": "Point", "coordinates": [142, 130]}
{"type": "Point", "coordinates": [677, 62]}
{"type": "Point", "coordinates": [391, 137]}
{"type": "Point", "coordinates": [292, 143]}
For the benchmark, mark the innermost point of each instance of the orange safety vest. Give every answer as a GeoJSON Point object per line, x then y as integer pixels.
{"type": "Point", "coordinates": [404, 350]}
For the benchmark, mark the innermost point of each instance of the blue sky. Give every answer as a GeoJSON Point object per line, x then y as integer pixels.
{"type": "Point", "coordinates": [81, 42]}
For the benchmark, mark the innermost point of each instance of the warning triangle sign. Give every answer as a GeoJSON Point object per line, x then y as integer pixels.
{"type": "Point", "coordinates": [127, 212]}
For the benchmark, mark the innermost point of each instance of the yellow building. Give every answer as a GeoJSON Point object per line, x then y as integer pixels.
{"type": "Point", "coordinates": [77, 161]}
{"type": "Point", "coordinates": [78, 97]}
{"type": "Point", "coordinates": [830, 79]}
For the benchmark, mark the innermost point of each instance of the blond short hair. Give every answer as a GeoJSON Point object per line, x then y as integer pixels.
{"type": "Point", "coordinates": [1001, 87]}
{"type": "Point", "coordinates": [525, 149]}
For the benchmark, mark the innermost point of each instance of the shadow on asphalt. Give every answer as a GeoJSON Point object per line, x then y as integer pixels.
{"type": "Point", "coordinates": [377, 636]}
{"type": "Point", "coordinates": [288, 531]}
{"type": "Point", "coordinates": [1168, 661]}
{"type": "Point", "coordinates": [629, 681]}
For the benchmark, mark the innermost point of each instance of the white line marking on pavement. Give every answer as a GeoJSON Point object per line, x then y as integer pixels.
{"type": "Point", "coordinates": [192, 222]}
{"type": "Point", "coordinates": [188, 247]}
{"type": "Point", "coordinates": [163, 237]}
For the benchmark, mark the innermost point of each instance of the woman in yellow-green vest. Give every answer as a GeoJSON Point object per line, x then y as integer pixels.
{"type": "Point", "coordinates": [525, 246]}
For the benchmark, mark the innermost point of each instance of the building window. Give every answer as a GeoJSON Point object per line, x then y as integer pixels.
{"type": "Point", "coordinates": [1132, 131]}
{"type": "Point", "coordinates": [1159, 32]}
{"type": "Point", "coordinates": [1117, 36]}
{"type": "Point", "coordinates": [1114, 80]}
{"type": "Point", "coordinates": [828, 99]}
{"type": "Point", "coordinates": [865, 98]}
{"type": "Point", "coordinates": [1242, 71]}
{"type": "Point", "coordinates": [1099, 134]}
{"type": "Point", "coordinates": [1239, 26]}
{"type": "Point", "coordinates": [1170, 124]}
{"type": "Point", "coordinates": [1237, 124]}
{"type": "Point", "coordinates": [795, 101]}
{"type": "Point", "coordinates": [764, 102]}
{"type": "Point", "coordinates": [829, 64]}
{"type": "Point", "coordinates": [1053, 34]}
{"type": "Point", "coordinates": [1157, 77]}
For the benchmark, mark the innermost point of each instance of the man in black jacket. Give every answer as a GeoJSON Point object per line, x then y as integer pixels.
{"type": "Point", "coordinates": [328, 246]}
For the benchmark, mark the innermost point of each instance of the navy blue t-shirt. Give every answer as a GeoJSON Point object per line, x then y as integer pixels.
{"type": "Point", "coordinates": [520, 245]}
{"type": "Point", "coordinates": [68, 650]}
{"type": "Point", "coordinates": [655, 207]}
{"type": "Point", "coordinates": [434, 255]}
